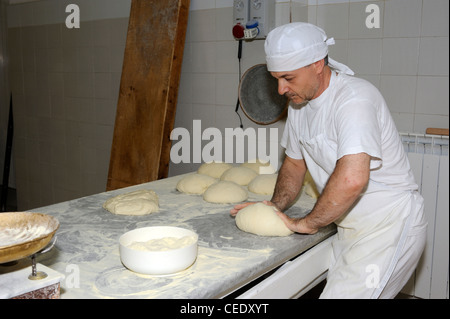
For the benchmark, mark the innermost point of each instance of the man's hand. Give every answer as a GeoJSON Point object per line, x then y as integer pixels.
{"type": "Point", "coordinates": [238, 207]}
{"type": "Point", "coordinates": [297, 225]}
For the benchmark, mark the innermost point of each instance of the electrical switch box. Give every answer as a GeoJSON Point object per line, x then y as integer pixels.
{"type": "Point", "coordinates": [263, 12]}
{"type": "Point", "coordinates": [253, 19]}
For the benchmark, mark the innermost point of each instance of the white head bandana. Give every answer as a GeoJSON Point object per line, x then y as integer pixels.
{"type": "Point", "coordinates": [295, 45]}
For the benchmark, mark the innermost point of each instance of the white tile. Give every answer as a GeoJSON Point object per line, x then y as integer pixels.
{"type": "Point", "coordinates": [252, 54]}
{"type": "Point", "coordinates": [424, 121]}
{"type": "Point", "coordinates": [283, 12]}
{"type": "Point", "coordinates": [226, 89]}
{"type": "Point", "coordinates": [333, 19]}
{"type": "Point", "coordinates": [206, 113]}
{"type": "Point", "coordinates": [117, 8]}
{"type": "Point", "coordinates": [105, 111]}
{"type": "Point", "coordinates": [101, 59]}
{"type": "Point", "coordinates": [226, 117]}
{"type": "Point", "coordinates": [364, 56]}
{"type": "Point", "coordinates": [223, 24]}
{"type": "Point", "coordinates": [399, 92]}
{"type": "Point", "coordinates": [372, 78]}
{"type": "Point", "coordinates": [402, 18]}
{"type": "Point", "coordinates": [435, 18]}
{"type": "Point", "coordinates": [102, 85]}
{"type": "Point", "coordinates": [312, 14]}
{"type": "Point", "coordinates": [339, 51]}
{"type": "Point", "coordinates": [224, 4]}
{"type": "Point", "coordinates": [226, 60]}
{"type": "Point", "coordinates": [183, 117]}
{"type": "Point", "coordinates": [321, 2]}
{"type": "Point", "coordinates": [201, 5]}
{"type": "Point", "coordinates": [55, 60]}
{"type": "Point", "coordinates": [400, 56]}
{"type": "Point", "coordinates": [203, 57]}
{"type": "Point", "coordinates": [433, 56]}
{"type": "Point", "coordinates": [203, 88]}
{"type": "Point", "coordinates": [203, 25]}
{"type": "Point", "coordinates": [432, 95]}
{"type": "Point", "coordinates": [185, 88]}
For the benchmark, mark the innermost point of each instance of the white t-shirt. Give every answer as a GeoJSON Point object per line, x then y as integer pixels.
{"type": "Point", "coordinates": [349, 117]}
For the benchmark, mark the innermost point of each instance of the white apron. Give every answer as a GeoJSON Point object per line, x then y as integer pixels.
{"type": "Point", "coordinates": [370, 237]}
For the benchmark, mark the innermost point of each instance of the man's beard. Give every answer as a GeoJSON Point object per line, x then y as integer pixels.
{"type": "Point", "coordinates": [294, 104]}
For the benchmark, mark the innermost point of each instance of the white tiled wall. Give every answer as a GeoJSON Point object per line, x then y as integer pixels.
{"type": "Point", "coordinates": [406, 58]}
{"type": "Point", "coordinates": [65, 84]}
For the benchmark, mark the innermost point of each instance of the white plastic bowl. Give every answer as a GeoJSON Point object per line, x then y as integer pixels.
{"type": "Point", "coordinates": [157, 262]}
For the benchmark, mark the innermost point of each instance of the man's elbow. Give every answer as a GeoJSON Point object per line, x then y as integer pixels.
{"type": "Point", "coordinates": [356, 184]}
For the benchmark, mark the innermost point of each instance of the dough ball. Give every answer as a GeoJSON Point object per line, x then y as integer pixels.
{"type": "Point", "coordinates": [141, 202]}
{"type": "Point", "coordinates": [214, 169]}
{"type": "Point", "coordinates": [309, 187]}
{"type": "Point", "coordinates": [263, 184]}
{"type": "Point", "coordinates": [261, 219]}
{"type": "Point", "coordinates": [225, 192]}
{"type": "Point", "coordinates": [259, 167]}
{"type": "Point", "coordinates": [240, 175]}
{"type": "Point", "coordinates": [195, 183]}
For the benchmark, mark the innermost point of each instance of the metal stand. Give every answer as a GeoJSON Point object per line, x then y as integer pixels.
{"type": "Point", "coordinates": [35, 275]}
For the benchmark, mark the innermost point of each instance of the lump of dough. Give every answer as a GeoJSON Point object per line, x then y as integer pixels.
{"type": "Point", "coordinates": [261, 219]}
{"type": "Point", "coordinates": [214, 169]}
{"type": "Point", "coordinates": [309, 187]}
{"type": "Point", "coordinates": [141, 202]}
{"type": "Point", "coordinates": [263, 184]}
{"type": "Point", "coordinates": [225, 192]}
{"type": "Point", "coordinates": [260, 167]}
{"type": "Point", "coordinates": [240, 175]}
{"type": "Point", "coordinates": [195, 183]}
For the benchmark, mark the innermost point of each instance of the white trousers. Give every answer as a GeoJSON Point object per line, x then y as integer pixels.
{"type": "Point", "coordinates": [411, 252]}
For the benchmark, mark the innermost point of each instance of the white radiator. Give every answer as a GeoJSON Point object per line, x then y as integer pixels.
{"type": "Point", "coordinates": [428, 155]}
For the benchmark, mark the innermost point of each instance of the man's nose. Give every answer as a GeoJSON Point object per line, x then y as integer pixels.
{"type": "Point", "coordinates": [282, 87]}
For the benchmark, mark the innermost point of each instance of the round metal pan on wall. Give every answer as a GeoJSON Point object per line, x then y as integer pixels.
{"type": "Point", "coordinates": [259, 98]}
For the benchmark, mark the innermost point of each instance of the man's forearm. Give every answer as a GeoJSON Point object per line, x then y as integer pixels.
{"type": "Point", "coordinates": [289, 183]}
{"type": "Point", "coordinates": [343, 188]}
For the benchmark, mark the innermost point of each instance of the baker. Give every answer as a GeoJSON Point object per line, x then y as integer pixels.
{"type": "Point", "coordinates": [340, 129]}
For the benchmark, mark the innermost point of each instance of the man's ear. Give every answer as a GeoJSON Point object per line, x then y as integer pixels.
{"type": "Point", "coordinates": [319, 65]}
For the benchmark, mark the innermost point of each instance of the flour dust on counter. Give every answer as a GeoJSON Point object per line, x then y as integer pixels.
{"type": "Point", "coordinates": [87, 249]}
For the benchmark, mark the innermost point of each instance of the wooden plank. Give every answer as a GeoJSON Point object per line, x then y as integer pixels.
{"type": "Point", "coordinates": [437, 131]}
{"type": "Point", "coordinates": [146, 108]}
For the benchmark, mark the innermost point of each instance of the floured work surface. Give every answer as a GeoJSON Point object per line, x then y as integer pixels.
{"type": "Point", "coordinates": [87, 249]}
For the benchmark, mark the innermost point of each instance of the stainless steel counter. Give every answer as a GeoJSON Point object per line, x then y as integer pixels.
{"type": "Point", "coordinates": [87, 249]}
